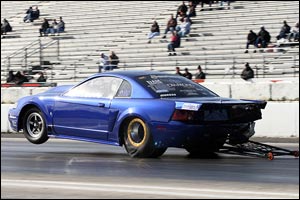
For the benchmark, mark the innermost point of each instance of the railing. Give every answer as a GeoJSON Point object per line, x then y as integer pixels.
{"type": "Point", "coordinates": [230, 68]}
{"type": "Point", "coordinates": [33, 53]}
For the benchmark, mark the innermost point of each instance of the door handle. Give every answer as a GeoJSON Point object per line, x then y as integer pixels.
{"type": "Point", "coordinates": [101, 105]}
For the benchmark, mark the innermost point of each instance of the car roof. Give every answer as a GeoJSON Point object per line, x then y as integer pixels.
{"type": "Point", "coordinates": [132, 73]}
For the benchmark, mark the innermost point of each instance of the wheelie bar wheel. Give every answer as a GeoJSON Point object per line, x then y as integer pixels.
{"type": "Point", "coordinates": [270, 156]}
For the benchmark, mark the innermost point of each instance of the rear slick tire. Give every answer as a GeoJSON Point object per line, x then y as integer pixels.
{"type": "Point", "coordinates": [138, 140]}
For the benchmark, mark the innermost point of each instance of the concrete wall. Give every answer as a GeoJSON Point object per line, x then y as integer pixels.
{"type": "Point", "coordinates": [279, 120]}
{"type": "Point", "coordinates": [274, 91]}
{"type": "Point", "coordinates": [267, 90]}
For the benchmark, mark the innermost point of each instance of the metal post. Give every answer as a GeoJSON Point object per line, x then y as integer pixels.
{"type": "Point", "coordinates": [264, 67]}
{"type": "Point", "coordinates": [8, 63]}
{"type": "Point", "coordinates": [74, 71]}
{"type": "Point", "coordinates": [25, 58]}
{"type": "Point", "coordinates": [233, 67]}
{"type": "Point", "coordinates": [294, 57]}
{"type": "Point", "coordinates": [41, 53]}
{"type": "Point", "coordinates": [58, 49]}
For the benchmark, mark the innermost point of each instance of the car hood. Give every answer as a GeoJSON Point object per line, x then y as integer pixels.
{"type": "Point", "coordinates": [56, 90]}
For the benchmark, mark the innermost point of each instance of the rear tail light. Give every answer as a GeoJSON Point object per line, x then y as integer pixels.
{"type": "Point", "coordinates": [183, 115]}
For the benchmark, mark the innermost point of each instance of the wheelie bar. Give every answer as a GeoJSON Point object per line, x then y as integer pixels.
{"type": "Point", "coordinates": [252, 148]}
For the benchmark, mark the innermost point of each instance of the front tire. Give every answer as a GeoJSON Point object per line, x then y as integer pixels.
{"type": "Point", "coordinates": [138, 140]}
{"type": "Point", "coordinates": [34, 126]}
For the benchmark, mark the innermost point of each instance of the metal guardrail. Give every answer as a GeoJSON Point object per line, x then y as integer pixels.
{"type": "Point", "coordinates": [33, 52]}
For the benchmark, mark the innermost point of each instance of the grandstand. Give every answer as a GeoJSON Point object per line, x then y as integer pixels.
{"type": "Point", "coordinates": [217, 40]}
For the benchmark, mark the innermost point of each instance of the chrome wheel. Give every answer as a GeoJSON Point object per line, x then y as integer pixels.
{"type": "Point", "coordinates": [34, 126]}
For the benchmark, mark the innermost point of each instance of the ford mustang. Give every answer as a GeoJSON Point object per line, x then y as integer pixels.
{"type": "Point", "coordinates": [144, 111]}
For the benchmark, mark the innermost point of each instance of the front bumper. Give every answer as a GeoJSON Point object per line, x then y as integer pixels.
{"type": "Point", "coordinates": [13, 119]}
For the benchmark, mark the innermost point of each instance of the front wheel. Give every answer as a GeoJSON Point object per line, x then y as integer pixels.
{"type": "Point", "coordinates": [34, 126]}
{"type": "Point", "coordinates": [138, 140]}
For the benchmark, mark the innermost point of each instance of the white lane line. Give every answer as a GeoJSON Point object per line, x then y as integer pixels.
{"type": "Point", "coordinates": [146, 189]}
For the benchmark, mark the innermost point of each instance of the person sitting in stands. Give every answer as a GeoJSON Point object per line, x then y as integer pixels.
{"type": "Point", "coordinates": [182, 9]}
{"type": "Point", "coordinates": [20, 78]}
{"type": "Point", "coordinates": [192, 9]}
{"type": "Point", "coordinates": [41, 78]}
{"type": "Point", "coordinates": [251, 38]}
{"type": "Point", "coordinates": [5, 27]}
{"type": "Point", "coordinates": [60, 26]}
{"type": "Point", "coordinates": [35, 14]}
{"type": "Point", "coordinates": [154, 31]}
{"type": "Point", "coordinates": [294, 33]}
{"type": "Point", "coordinates": [178, 71]}
{"type": "Point", "coordinates": [44, 28]}
{"type": "Point", "coordinates": [184, 28]}
{"type": "Point", "coordinates": [263, 38]}
{"type": "Point", "coordinates": [187, 74]}
{"type": "Point", "coordinates": [52, 28]}
{"type": "Point", "coordinates": [11, 77]}
{"type": "Point", "coordinates": [113, 60]}
{"type": "Point", "coordinates": [171, 25]}
{"type": "Point", "coordinates": [104, 62]}
{"type": "Point", "coordinates": [174, 43]}
{"type": "Point", "coordinates": [285, 30]}
{"type": "Point", "coordinates": [247, 73]}
{"type": "Point", "coordinates": [200, 74]}
{"type": "Point", "coordinates": [28, 17]}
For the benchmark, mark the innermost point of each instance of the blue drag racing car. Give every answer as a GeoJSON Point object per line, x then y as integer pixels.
{"type": "Point", "coordinates": [146, 111]}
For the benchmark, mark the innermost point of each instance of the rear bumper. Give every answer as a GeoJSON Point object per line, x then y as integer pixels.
{"type": "Point", "coordinates": [177, 134]}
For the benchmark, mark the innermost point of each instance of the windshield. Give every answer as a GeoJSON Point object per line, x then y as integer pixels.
{"type": "Point", "coordinates": [173, 86]}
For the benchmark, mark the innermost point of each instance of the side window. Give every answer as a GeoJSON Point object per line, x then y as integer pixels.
{"type": "Point", "coordinates": [100, 87]}
{"type": "Point", "coordinates": [124, 90]}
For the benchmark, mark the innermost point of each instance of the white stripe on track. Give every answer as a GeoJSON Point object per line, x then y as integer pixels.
{"type": "Point", "coordinates": [146, 189]}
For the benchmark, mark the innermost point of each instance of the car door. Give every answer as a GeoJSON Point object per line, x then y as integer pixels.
{"type": "Point", "coordinates": [85, 110]}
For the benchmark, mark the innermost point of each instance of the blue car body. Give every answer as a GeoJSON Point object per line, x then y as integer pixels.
{"type": "Point", "coordinates": [174, 120]}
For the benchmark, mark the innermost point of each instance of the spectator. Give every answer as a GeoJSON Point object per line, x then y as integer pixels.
{"type": "Point", "coordinates": [187, 74]}
{"type": "Point", "coordinates": [200, 74]}
{"type": "Point", "coordinates": [174, 43]}
{"type": "Point", "coordinates": [192, 10]}
{"type": "Point", "coordinates": [154, 31]}
{"type": "Point", "coordinates": [60, 26]}
{"type": "Point", "coordinates": [184, 28]}
{"type": "Point", "coordinates": [113, 60]}
{"type": "Point", "coordinates": [44, 28]}
{"type": "Point", "coordinates": [20, 78]}
{"type": "Point", "coordinates": [247, 73]}
{"type": "Point", "coordinates": [285, 30]}
{"type": "Point", "coordinates": [28, 17]}
{"type": "Point", "coordinates": [52, 28]}
{"type": "Point", "coordinates": [182, 9]}
{"type": "Point", "coordinates": [263, 38]}
{"type": "Point", "coordinates": [171, 25]}
{"type": "Point", "coordinates": [11, 77]}
{"type": "Point", "coordinates": [294, 33]}
{"type": "Point", "coordinates": [251, 38]}
{"type": "Point", "coordinates": [222, 3]}
{"type": "Point", "coordinates": [41, 78]}
{"type": "Point", "coordinates": [35, 14]}
{"type": "Point", "coordinates": [5, 27]}
{"type": "Point", "coordinates": [178, 71]}
{"type": "Point", "coordinates": [104, 62]}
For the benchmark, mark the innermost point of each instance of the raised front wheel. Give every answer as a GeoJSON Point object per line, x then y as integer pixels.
{"type": "Point", "coordinates": [34, 126]}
